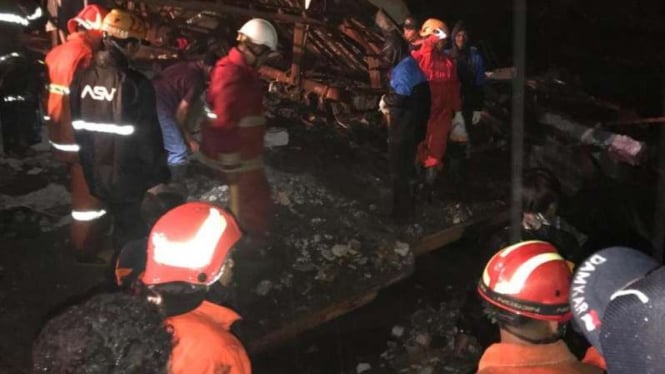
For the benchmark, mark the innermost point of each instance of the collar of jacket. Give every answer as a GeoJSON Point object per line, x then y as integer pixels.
{"type": "Point", "coordinates": [236, 58]}
{"type": "Point", "coordinates": [222, 316]}
{"type": "Point", "coordinates": [518, 355]}
{"type": "Point", "coordinates": [111, 58]}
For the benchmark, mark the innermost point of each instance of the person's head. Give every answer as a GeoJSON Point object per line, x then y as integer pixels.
{"type": "Point", "coordinates": [525, 288]}
{"type": "Point", "coordinates": [257, 41]}
{"type": "Point", "coordinates": [88, 20]}
{"type": "Point", "coordinates": [430, 26]}
{"type": "Point", "coordinates": [123, 31]}
{"type": "Point", "coordinates": [191, 245]}
{"type": "Point", "coordinates": [107, 334]}
{"type": "Point", "coordinates": [208, 62]}
{"type": "Point", "coordinates": [541, 192]}
{"type": "Point", "coordinates": [395, 49]}
{"type": "Point", "coordinates": [618, 303]}
{"type": "Point", "coordinates": [460, 35]}
{"type": "Point", "coordinates": [410, 29]}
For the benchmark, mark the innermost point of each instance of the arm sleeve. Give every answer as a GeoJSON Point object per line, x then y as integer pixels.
{"type": "Point", "coordinates": [225, 86]}
{"type": "Point", "coordinates": [424, 54]}
{"type": "Point", "coordinates": [196, 86]}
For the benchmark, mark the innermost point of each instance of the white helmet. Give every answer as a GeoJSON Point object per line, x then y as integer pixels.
{"type": "Point", "coordinates": [261, 32]}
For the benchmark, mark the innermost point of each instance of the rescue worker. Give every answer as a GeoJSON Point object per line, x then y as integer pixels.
{"type": "Point", "coordinates": [177, 89]}
{"type": "Point", "coordinates": [525, 288]}
{"type": "Point", "coordinates": [406, 107]}
{"type": "Point", "coordinates": [232, 138]}
{"type": "Point", "coordinates": [115, 121]}
{"type": "Point", "coordinates": [410, 31]}
{"type": "Point", "coordinates": [108, 333]}
{"type": "Point", "coordinates": [20, 78]}
{"type": "Point", "coordinates": [189, 250]}
{"type": "Point", "coordinates": [471, 73]}
{"type": "Point", "coordinates": [445, 115]}
{"type": "Point", "coordinates": [62, 62]}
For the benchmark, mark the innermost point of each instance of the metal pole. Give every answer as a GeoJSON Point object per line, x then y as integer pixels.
{"type": "Point", "coordinates": [658, 235]}
{"type": "Point", "coordinates": [517, 146]}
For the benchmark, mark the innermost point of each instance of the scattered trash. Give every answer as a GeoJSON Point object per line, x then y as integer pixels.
{"type": "Point", "coordinates": [263, 288]}
{"type": "Point", "coordinates": [402, 248]}
{"type": "Point", "coordinates": [398, 331]}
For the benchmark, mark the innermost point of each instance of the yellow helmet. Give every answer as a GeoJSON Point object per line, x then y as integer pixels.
{"type": "Point", "coordinates": [124, 25]}
{"type": "Point", "coordinates": [432, 24]}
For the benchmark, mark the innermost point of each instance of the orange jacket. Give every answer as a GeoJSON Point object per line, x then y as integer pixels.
{"type": "Point", "coordinates": [554, 358]}
{"type": "Point", "coordinates": [204, 345]}
{"type": "Point", "coordinates": [62, 62]}
{"type": "Point", "coordinates": [441, 72]}
{"type": "Point", "coordinates": [593, 357]}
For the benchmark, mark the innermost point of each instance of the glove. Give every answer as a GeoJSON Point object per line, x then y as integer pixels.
{"type": "Point", "coordinates": [440, 34]}
{"type": "Point", "coordinates": [459, 134]}
{"type": "Point", "coordinates": [626, 149]}
{"type": "Point", "coordinates": [476, 117]}
{"type": "Point", "coordinates": [382, 106]}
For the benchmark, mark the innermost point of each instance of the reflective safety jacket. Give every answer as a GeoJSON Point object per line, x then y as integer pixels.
{"type": "Point", "coordinates": [204, 344]}
{"type": "Point", "coordinates": [115, 121]}
{"type": "Point", "coordinates": [554, 358]}
{"type": "Point", "coordinates": [441, 72]}
{"type": "Point", "coordinates": [62, 62]}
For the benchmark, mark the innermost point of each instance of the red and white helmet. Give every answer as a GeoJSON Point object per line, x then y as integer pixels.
{"type": "Point", "coordinates": [89, 17]}
{"type": "Point", "coordinates": [530, 279]}
{"type": "Point", "coordinates": [190, 243]}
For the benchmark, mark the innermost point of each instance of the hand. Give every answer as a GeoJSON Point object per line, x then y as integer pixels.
{"type": "Point", "coordinates": [440, 34]}
{"type": "Point", "coordinates": [477, 116]}
{"type": "Point", "coordinates": [382, 106]}
{"type": "Point", "coordinates": [458, 133]}
{"type": "Point", "coordinates": [193, 145]}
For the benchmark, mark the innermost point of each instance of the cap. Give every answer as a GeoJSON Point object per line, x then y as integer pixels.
{"type": "Point", "coordinates": [597, 279]}
{"type": "Point", "coordinates": [633, 327]}
{"type": "Point", "coordinates": [411, 23]}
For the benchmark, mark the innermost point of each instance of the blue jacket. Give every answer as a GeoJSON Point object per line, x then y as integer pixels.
{"type": "Point", "coordinates": [405, 76]}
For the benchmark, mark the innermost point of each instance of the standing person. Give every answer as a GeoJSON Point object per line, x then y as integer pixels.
{"type": "Point", "coordinates": [189, 250]}
{"type": "Point", "coordinates": [62, 62]}
{"type": "Point", "coordinates": [232, 141]}
{"type": "Point", "coordinates": [410, 31]}
{"type": "Point", "coordinates": [177, 88]}
{"type": "Point", "coordinates": [525, 288]}
{"type": "Point", "coordinates": [106, 334]}
{"type": "Point", "coordinates": [445, 113]}
{"type": "Point", "coordinates": [115, 118]}
{"type": "Point", "coordinates": [406, 107]}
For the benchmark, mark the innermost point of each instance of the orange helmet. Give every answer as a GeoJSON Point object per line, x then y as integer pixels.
{"type": "Point", "coordinates": [432, 24]}
{"type": "Point", "coordinates": [124, 25]}
{"type": "Point", "coordinates": [190, 243]}
{"type": "Point", "coordinates": [89, 17]}
{"type": "Point", "coordinates": [530, 279]}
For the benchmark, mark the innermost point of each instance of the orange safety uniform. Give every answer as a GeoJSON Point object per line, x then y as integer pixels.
{"type": "Point", "coordinates": [203, 343]}
{"type": "Point", "coordinates": [554, 358]}
{"type": "Point", "coordinates": [62, 62]}
{"type": "Point", "coordinates": [232, 140]}
{"type": "Point", "coordinates": [441, 72]}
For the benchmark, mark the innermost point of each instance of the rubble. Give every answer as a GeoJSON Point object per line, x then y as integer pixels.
{"type": "Point", "coordinates": [363, 367]}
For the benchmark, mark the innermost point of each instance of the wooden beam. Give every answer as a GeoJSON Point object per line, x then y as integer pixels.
{"type": "Point", "coordinates": [298, 52]}
{"type": "Point", "coordinates": [230, 9]}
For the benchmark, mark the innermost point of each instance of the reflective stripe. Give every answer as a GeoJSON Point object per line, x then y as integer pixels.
{"type": "Point", "coordinates": [9, 55]}
{"type": "Point", "coordinates": [87, 215]}
{"type": "Point", "coordinates": [209, 113]}
{"type": "Point", "coordinates": [58, 89]}
{"type": "Point", "coordinates": [38, 13]}
{"type": "Point", "coordinates": [103, 127]}
{"type": "Point", "coordinates": [14, 18]}
{"type": "Point", "coordinates": [65, 147]}
{"type": "Point", "coordinates": [515, 284]}
{"type": "Point", "coordinates": [47, 118]}
{"type": "Point", "coordinates": [9, 99]}
{"type": "Point", "coordinates": [252, 121]}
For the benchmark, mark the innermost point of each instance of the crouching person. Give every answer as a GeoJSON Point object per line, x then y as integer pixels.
{"type": "Point", "coordinates": [109, 333]}
{"type": "Point", "coordinates": [525, 288]}
{"type": "Point", "coordinates": [189, 250]}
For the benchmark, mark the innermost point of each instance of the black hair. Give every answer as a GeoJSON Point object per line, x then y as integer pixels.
{"type": "Point", "coordinates": [109, 333]}
{"type": "Point", "coordinates": [210, 59]}
{"type": "Point", "coordinates": [540, 189]}
{"type": "Point", "coordinates": [176, 297]}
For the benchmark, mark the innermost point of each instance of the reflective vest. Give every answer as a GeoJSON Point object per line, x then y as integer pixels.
{"type": "Point", "coordinates": [62, 62]}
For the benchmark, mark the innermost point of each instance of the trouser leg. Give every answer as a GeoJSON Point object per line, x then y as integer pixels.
{"type": "Point", "coordinates": [88, 213]}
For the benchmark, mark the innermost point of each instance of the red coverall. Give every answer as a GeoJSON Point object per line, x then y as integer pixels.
{"type": "Point", "coordinates": [62, 62]}
{"type": "Point", "coordinates": [203, 343]}
{"type": "Point", "coordinates": [232, 140]}
{"type": "Point", "coordinates": [441, 73]}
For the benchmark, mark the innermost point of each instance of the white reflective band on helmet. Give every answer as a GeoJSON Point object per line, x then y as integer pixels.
{"type": "Point", "coordinates": [58, 89]}
{"type": "Point", "coordinates": [194, 253]}
{"type": "Point", "coordinates": [519, 278]}
{"type": "Point", "coordinates": [103, 127]}
{"type": "Point", "coordinates": [9, 99]}
{"type": "Point", "coordinates": [65, 147]}
{"type": "Point", "coordinates": [87, 215]}
{"type": "Point", "coordinates": [9, 55]}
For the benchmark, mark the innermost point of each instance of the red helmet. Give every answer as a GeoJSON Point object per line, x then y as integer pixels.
{"type": "Point", "coordinates": [89, 17]}
{"type": "Point", "coordinates": [530, 279]}
{"type": "Point", "coordinates": [190, 243]}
